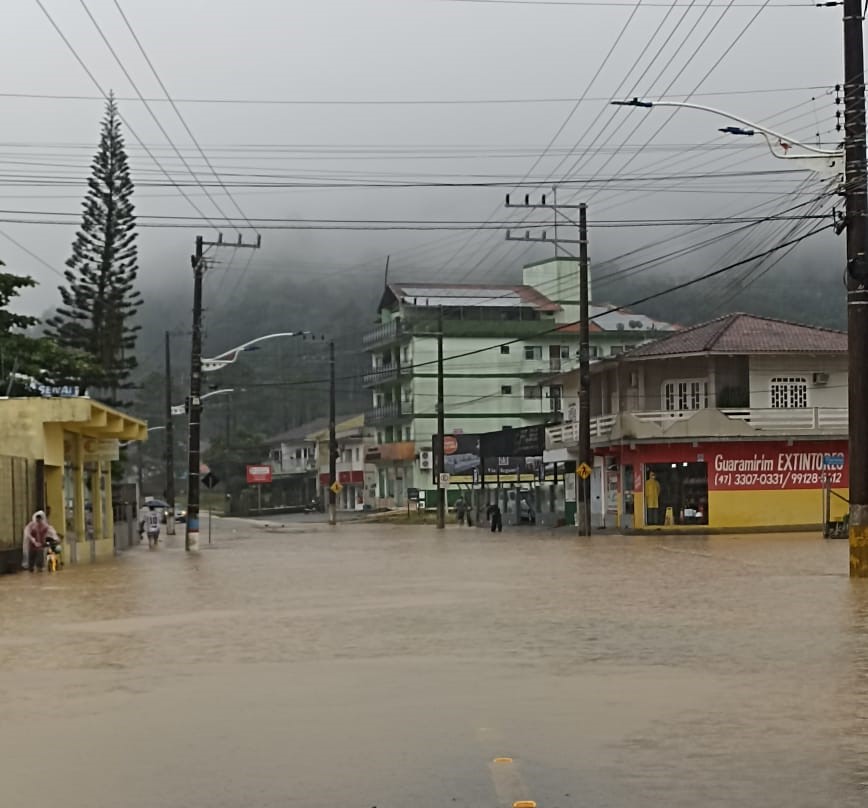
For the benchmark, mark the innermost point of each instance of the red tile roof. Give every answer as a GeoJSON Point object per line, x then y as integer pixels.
{"type": "Point", "coordinates": [745, 334]}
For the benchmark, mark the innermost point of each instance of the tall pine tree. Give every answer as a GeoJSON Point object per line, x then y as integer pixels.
{"type": "Point", "coordinates": [100, 298]}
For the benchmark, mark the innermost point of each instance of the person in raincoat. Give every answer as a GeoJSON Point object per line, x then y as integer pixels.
{"type": "Point", "coordinates": [36, 535]}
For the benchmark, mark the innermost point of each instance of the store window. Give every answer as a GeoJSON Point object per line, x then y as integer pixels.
{"type": "Point", "coordinates": [680, 491]}
{"type": "Point", "coordinates": [789, 392]}
{"type": "Point", "coordinates": [685, 394]}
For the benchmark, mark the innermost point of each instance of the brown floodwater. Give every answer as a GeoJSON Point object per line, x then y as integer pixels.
{"type": "Point", "coordinates": [379, 666]}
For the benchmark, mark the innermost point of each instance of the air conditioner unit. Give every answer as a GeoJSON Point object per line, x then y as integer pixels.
{"type": "Point", "coordinates": [821, 378]}
{"type": "Point", "coordinates": [426, 460]}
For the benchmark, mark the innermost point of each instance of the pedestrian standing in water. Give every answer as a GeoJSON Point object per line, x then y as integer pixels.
{"type": "Point", "coordinates": [496, 519]}
{"type": "Point", "coordinates": [460, 510]}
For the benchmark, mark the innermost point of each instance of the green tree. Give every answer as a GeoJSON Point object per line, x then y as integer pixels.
{"type": "Point", "coordinates": [99, 298]}
{"type": "Point", "coordinates": [39, 358]}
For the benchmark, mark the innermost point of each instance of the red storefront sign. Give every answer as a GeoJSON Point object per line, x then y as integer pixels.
{"type": "Point", "coordinates": [752, 466]}
{"type": "Point", "coordinates": [258, 474]}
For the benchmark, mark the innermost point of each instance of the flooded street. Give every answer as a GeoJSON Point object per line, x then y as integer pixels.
{"type": "Point", "coordinates": [376, 666]}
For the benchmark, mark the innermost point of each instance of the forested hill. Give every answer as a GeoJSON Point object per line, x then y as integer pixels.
{"type": "Point", "coordinates": [285, 383]}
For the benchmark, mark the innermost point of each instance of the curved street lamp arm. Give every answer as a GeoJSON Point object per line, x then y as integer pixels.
{"type": "Point", "coordinates": [230, 356]}
{"type": "Point", "coordinates": [181, 409]}
{"type": "Point", "coordinates": [755, 127]}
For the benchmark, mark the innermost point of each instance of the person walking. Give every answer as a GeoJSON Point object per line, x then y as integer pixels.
{"type": "Point", "coordinates": [36, 535]}
{"type": "Point", "coordinates": [152, 525]}
{"type": "Point", "coordinates": [496, 518]}
{"type": "Point", "coordinates": [652, 499]}
{"type": "Point", "coordinates": [460, 510]}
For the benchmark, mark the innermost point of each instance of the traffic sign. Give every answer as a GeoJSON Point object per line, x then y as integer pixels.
{"type": "Point", "coordinates": [444, 480]}
{"type": "Point", "coordinates": [584, 471]}
{"type": "Point", "coordinates": [336, 487]}
{"type": "Point", "coordinates": [210, 480]}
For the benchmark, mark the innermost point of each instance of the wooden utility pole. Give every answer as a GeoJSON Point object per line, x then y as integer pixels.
{"type": "Point", "coordinates": [856, 195]}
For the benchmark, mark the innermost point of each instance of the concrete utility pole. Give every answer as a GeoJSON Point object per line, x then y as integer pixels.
{"type": "Point", "coordinates": [170, 442]}
{"type": "Point", "coordinates": [586, 457]}
{"type": "Point", "coordinates": [333, 441]}
{"type": "Point", "coordinates": [856, 195]}
{"type": "Point", "coordinates": [441, 428]}
{"type": "Point", "coordinates": [191, 538]}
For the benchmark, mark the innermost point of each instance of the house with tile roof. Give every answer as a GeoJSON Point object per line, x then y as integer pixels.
{"type": "Point", "coordinates": [742, 421]}
{"type": "Point", "coordinates": [502, 345]}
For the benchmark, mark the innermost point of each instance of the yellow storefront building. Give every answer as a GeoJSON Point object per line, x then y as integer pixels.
{"type": "Point", "coordinates": [56, 454]}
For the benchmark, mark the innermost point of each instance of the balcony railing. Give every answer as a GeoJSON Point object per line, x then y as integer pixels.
{"type": "Point", "coordinates": [293, 465]}
{"type": "Point", "coordinates": [382, 334]}
{"type": "Point", "coordinates": [382, 375]}
{"type": "Point", "coordinates": [810, 419]}
{"type": "Point", "coordinates": [389, 412]}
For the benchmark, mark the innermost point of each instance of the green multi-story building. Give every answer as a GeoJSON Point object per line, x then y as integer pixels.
{"type": "Point", "coordinates": [503, 345]}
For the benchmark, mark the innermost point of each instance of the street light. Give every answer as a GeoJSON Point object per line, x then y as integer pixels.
{"type": "Point", "coordinates": [849, 164]}
{"type": "Point", "coordinates": [230, 356]}
{"type": "Point", "coordinates": [200, 366]}
{"type": "Point", "coordinates": [828, 162]}
{"type": "Point", "coordinates": [180, 409]}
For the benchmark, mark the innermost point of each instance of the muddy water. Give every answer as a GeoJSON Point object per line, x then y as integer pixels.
{"type": "Point", "coordinates": [388, 667]}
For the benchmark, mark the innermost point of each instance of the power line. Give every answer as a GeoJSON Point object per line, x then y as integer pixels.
{"type": "Point", "coordinates": [563, 125]}
{"type": "Point", "coordinates": [151, 112]}
{"type": "Point", "coordinates": [562, 327]}
{"type": "Point", "coordinates": [106, 96]}
{"type": "Point", "coordinates": [177, 111]}
{"type": "Point", "coordinates": [615, 3]}
{"type": "Point", "coordinates": [410, 102]}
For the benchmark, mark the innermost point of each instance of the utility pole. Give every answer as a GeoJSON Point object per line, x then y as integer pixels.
{"type": "Point", "coordinates": [856, 195]}
{"type": "Point", "coordinates": [586, 457]}
{"type": "Point", "coordinates": [191, 539]}
{"type": "Point", "coordinates": [170, 442]}
{"type": "Point", "coordinates": [441, 427]}
{"type": "Point", "coordinates": [333, 441]}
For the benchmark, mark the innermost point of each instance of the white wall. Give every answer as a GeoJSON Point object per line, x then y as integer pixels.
{"type": "Point", "coordinates": [478, 390]}
{"type": "Point", "coordinates": [764, 368]}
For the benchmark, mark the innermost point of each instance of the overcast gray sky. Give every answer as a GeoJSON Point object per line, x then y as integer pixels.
{"type": "Point", "coordinates": [538, 56]}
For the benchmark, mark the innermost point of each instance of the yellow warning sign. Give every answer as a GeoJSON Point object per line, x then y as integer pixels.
{"type": "Point", "coordinates": [584, 471]}
{"type": "Point", "coordinates": [336, 487]}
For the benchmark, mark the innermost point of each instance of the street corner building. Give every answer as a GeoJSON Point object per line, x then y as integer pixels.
{"type": "Point", "coordinates": [57, 456]}
{"type": "Point", "coordinates": [736, 424]}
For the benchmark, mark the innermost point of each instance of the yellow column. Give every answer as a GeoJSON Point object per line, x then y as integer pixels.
{"type": "Point", "coordinates": [54, 499]}
{"type": "Point", "coordinates": [109, 521]}
{"type": "Point", "coordinates": [78, 516]}
{"type": "Point", "coordinates": [96, 501]}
